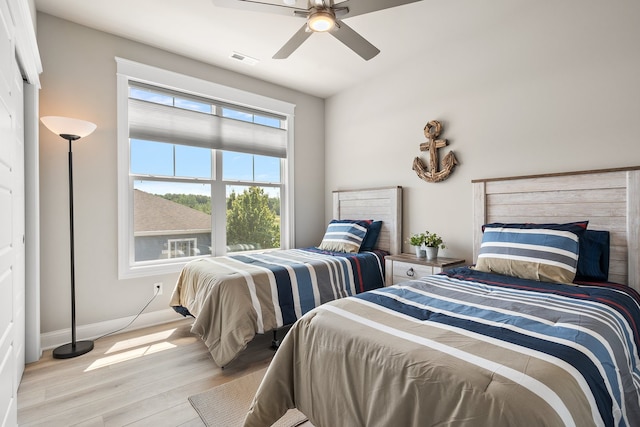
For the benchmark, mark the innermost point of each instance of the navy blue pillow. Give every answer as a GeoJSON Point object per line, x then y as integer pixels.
{"type": "Point", "coordinates": [370, 240]}
{"type": "Point", "coordinates": [593, 261]}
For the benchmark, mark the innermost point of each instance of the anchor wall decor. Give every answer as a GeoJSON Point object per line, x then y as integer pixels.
{"type": "Point", "coordinates": [432, 131]}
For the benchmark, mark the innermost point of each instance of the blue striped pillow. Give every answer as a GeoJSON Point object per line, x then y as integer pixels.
{"type": "Point", "coordinates": [542, 252]}
{"type": "Point", "coordinates": [344, 235]}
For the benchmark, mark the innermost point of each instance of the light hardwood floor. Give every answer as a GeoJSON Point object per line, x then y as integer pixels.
{"type": "Point", "coordinates": [137, 378]}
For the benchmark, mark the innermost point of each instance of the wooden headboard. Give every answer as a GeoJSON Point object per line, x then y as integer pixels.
{"type": "Point", "coordinates": [380, 204]}
{"type": "Point", "coordinates": [608, 198]}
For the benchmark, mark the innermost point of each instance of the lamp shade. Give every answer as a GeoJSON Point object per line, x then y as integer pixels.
{"type": "Point", "coordinates": [68, 126]}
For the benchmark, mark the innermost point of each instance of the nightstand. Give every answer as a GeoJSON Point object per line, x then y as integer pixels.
{"type": "Point", "coordinates": [403, 267]}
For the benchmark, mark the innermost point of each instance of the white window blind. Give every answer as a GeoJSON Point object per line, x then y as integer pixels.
{"type": "Point", "coordinates": [165, 123]}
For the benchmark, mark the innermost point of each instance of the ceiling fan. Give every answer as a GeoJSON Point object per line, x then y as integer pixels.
{"type": "Point", "coordinates": [321, 16]}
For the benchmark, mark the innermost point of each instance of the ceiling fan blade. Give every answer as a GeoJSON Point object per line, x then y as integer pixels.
{"type": "Point", "coordinates": [354, 41]}
{"type": "Point", "coordinates": [294, 42]}
{"type": "Point", "coordinates": [360, 7]}
{"type": "Point", "coordinates": [262, 6]}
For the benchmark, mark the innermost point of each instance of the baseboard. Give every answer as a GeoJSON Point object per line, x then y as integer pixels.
{"type": "Point", "coordinates": [54, 339]}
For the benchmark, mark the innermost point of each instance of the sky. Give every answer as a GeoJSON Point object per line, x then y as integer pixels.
{"type": "Point", "coordinates": [158, 159]}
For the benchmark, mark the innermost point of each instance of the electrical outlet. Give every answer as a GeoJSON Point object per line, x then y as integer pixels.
{"type": "Point", "coordinates": [157, 288]}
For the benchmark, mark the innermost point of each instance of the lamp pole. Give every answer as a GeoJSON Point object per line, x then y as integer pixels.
{"type": "Point", "coordinates": [74, 348]}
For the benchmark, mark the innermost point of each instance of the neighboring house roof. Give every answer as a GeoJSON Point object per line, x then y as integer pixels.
{"type": "Point", "coordinates": [155, 214]}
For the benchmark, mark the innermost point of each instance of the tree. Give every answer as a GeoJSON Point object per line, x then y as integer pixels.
{"type": "Point", "coordinates": [194, 201]}
{"type": "Point", "coordinates": [274, 205]}
{"type": "Point", "coordinates": [250, 220]}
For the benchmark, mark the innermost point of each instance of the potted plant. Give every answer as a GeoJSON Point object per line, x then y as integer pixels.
{"type": "Point", "coordinates": [417, 240]}
{"type": "Point", "coordinates": [432, 242]}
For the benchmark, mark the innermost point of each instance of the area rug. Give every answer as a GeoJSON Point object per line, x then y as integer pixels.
{"type": "Point", "coordinates": [226, 405]}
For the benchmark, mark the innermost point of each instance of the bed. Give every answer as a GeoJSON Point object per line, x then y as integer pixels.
{"type": "Point", "coordinates": [477, 346]}
{"type": "Point", "coordinates": [235, 297]}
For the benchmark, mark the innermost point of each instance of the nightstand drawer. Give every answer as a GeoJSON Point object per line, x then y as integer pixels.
{"type": "Point", "coordinates": [403, 267]}
{"type": "Point", "coordinates": [408, 271]}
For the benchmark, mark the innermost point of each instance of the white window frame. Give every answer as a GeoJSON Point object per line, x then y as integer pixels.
{"type": "Point", "coordinates": [130, 70]}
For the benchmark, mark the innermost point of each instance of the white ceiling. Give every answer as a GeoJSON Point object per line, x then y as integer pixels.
{"type": "Point", "coordinates": [322, 66]}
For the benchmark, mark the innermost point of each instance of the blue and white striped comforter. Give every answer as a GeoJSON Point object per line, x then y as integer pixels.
{"type": "Point", "coordinates": [463, 348]}
{"type": "Point", "coordinates": [235, 297]}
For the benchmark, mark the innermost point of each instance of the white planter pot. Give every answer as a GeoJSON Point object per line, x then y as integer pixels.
{"type": "Point", "coordinates": [419, 252]}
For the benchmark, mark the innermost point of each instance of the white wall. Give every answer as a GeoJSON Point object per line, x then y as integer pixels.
{"type": "Point", "coordinates": [522, 87]}
{"type": "Point", "coordinates": [79, 80]}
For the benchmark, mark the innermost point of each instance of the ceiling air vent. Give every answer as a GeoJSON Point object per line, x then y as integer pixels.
{"type": "Point", "coordinates": [243, 58]}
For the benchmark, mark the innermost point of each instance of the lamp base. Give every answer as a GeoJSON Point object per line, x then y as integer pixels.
{"type": "Point", "coordinates": [70, 350]}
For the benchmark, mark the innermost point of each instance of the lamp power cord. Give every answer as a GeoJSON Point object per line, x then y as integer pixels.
{"type": "Point", "coordinates": [134, 319]}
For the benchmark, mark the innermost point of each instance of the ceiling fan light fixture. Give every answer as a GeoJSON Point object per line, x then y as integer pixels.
{"type": "Point", "coordinates": [321, 20]}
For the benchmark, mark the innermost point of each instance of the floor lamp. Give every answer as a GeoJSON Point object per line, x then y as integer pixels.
{"type": "Point", "coordinates": [71, 130]}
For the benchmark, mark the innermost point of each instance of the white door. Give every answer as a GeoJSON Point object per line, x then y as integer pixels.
{"type": "Point", "coordinates": [18, 204]}
{"type": "Point", "coordinates": [11, 222]}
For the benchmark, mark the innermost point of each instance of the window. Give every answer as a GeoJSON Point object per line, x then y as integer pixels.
{"type": "Point", "coordinates": [203, 170]}
{"type": "Point", "coordinates": [182, 247]}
